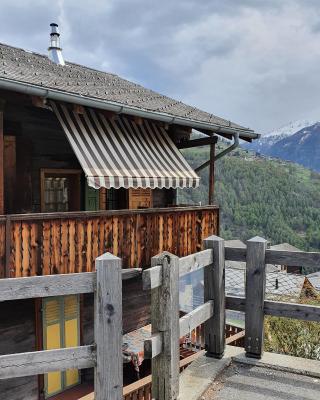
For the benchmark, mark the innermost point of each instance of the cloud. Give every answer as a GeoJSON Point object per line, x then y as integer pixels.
{"type": "Point", "coordinates": [254, 62]}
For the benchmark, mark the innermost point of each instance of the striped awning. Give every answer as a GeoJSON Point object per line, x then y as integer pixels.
{"type": "Point", "coordinates": [117, 152]}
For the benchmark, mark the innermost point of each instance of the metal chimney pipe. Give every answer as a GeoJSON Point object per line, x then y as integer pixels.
{"type": "Point", "coordinates": [55, 51]}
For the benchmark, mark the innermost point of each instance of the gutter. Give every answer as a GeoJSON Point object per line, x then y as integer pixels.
{"type": "Point", "coordinates": [34, 90]}
{"type": "Point", "coordinates": [234, 145]}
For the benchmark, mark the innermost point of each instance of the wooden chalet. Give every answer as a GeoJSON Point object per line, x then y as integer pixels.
{"type": "Point", "coordinates": [89, 163]}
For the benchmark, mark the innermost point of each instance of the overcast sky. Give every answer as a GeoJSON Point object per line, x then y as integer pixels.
{"type": "Point", "coordinates": [256, 62]}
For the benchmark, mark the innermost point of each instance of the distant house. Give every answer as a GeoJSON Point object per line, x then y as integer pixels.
{"type": "Point", "coordinates": [314, 280]}
{"type": "Point", "coordinates": [279, 285]}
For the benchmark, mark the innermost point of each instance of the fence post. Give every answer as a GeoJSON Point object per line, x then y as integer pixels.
{"type": "Point", "coordinates": [108, 380]}
{"type": "Point", "coordinates": [255, 294]}
{"type": "Point", "coordinates": [165, 319]}
{"type": "Point", "coordinates": [214, 289]}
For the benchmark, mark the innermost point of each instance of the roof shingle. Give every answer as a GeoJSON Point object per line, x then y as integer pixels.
{"type": "Point", "coordinates": [31, 68]}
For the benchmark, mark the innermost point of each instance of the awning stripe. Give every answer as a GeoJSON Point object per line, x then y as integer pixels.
{"type": "Point", "coordinates": [120, 153]}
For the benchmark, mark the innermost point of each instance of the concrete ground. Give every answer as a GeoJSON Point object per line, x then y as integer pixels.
{"type": "Point", "coordinates": [246, 382]}
{"type": "Point", "coordinates": [236, 377]}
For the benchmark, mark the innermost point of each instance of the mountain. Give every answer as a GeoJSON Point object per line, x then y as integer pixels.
{"type": "Point", "coordinates": [303, 147]}
{"type": "Point", "coordinates": [291, 128]}
{"type": "Point", "coordinates": [271, 198]}
{"type": "Point", "coordinates": [297, 142]}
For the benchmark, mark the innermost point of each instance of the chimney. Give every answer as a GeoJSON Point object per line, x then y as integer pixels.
{"type": "Point", "coordinates": [55, 51]}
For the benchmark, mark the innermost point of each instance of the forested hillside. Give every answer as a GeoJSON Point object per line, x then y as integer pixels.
{"type": "Point", "coordinates": [258, 196]}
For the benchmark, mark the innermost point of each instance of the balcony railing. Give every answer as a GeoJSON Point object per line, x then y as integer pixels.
{"type": "Point", "coordinates": [59, 243]}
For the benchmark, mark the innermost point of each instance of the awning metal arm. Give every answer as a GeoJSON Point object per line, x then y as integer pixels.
{"type": "Point", "coordinates": [234, 145]}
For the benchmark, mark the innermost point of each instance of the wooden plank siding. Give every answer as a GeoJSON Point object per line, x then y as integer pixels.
{"type": "Point", "coordinates": [52, 243]}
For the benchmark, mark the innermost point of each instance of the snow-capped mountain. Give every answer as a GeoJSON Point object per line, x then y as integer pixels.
{"type": "Point", "coordinates": [298, 141]}
{"type": "Point", "coordinates": [291, 128]}
{"type": "Point", "coordinates": [268, 140]}
{"type": "Point", "coordinates": [303, 147]}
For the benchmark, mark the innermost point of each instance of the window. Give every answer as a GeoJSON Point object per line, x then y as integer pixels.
{"type": "Point", "coordinates": [60, 330]}
{"type": "Point", "coordinates": [56, 194]}
{"type": "Point", "coordinates": [60, 190]}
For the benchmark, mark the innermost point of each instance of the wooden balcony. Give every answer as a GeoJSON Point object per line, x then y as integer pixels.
{"type": "Point", "coordinates": [60, 243]}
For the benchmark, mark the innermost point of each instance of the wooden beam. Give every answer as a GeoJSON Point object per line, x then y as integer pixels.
{"type": "Point", "coordinates": [235, 303]}
{"type": "Point", "coordinates": [107, 213]}
{"type": "Point", "coordinates": [197, 142]}
{"type": "Point", "coordinates": [255, 295]}
{"type": "Point", "coordinates": [304, 312]}
{"type": "Point", "coordinates": [211, 174]}
{"type": "Point", "coordinates": [2, 103]}
{"type": "Point", "coordinates": [78, 109]}
{"type": "Point", "coordinates": [8, 246]}
{"type": "Point", "coordinates": [301, 258]}
{"type": "Point", "coordinates": [153, 346]}
{"type": "Point", "coordinates": [195, 261]}
{"type": "Point", "coordinates": [196, 317]}
{"type": "Point", "coordinates": [152, 277]}
{"type": "Point", "coordinates": [40, 102]}
{"type": "Point", "coordinates": [281, 257]}
{"type": "Point", "coordinates": [108, 374]}
{"type": "Point", "coordinates": [214, 289]}
{"type": "Point", "coordinates": [54, 285]}
{"type": "Point", "coordinates": [165, 321]}
{"type": "Point", "coordinates": [40, 362]}
{"type": "Point", "coordinates": [47, 285]}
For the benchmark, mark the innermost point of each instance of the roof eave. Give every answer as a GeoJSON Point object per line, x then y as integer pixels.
{"type": "Point", "coordinates": [58, 95]}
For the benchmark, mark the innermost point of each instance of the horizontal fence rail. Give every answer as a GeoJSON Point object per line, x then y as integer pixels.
{"type": "Point", "coordinates": [278, 257]}
{"type": "Point", "coordinates": [303, 312]}
{"type": "Point", "coordinates": [152, 277]}
{"type": "Point", "coordinates": [54, 285]}
{"type": "Point", "coordinates": [40, 362]}
{"type": "Point", "coordinates": [153, 346]}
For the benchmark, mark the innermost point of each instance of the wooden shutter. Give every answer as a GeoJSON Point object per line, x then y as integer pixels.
{"type": "Point", "coordinates": [91, 199]}
{"type": "Point", "coordinates": [61, 319]}
{"type": "Point", "coordinates": [71, 334]}
{"type": "Point", "coordinates": [52, 340]}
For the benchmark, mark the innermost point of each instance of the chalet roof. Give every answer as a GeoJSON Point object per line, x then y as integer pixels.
{"type": "Point", "coordinates": [25, 68]}
{"type": "Point", "coordinates": [278, 285]}
{"type": "Point", "coordinates": [314, 279]}
{"type": "Point", "coordinates": [284, 246]}
{"type": "Point", "coordinates": [242, 265]}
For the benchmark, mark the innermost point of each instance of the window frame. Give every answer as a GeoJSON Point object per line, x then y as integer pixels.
{"type": "Point", "coordinates": [63, 173]}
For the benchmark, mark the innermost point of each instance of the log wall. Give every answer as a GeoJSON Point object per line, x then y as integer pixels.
{"type": "Point", "coordinates": [17, 333]}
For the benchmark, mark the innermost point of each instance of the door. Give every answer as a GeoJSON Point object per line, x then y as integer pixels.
{"type": "Point", "coordinates": [60, 330]}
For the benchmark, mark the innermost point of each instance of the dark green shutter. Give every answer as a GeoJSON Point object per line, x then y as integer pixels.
{"type": "Point", "coordinates": [91, 199]}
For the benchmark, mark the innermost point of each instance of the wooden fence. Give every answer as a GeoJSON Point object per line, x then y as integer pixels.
{"type": "Point", "coordinates": [61, 243]}
{"type": "Point", "coordinates": [142, 389]}
{"type": "Point", "coordinates": [162, 278]}
{"type": "Point", "coordinates": [106, 354]}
